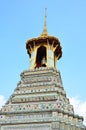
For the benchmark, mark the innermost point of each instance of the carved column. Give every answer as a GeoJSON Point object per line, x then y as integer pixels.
{"type": "Point", "coordinates": [62, 126]}
{"type": "Point", "coordinates": [55, 126]}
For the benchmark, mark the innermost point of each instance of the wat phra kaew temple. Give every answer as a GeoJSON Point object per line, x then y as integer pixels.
{"type": "Point", "coordinates": [39, 102]}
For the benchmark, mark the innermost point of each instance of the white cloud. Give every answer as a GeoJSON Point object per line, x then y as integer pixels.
{"type": "Point", "coordinates": [79, 107]}
{"type": "Point", "coordinates": [2, 101]}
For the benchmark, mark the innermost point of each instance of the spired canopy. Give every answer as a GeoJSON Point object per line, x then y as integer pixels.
{"type": "Point", "coordinates": [44, 50]}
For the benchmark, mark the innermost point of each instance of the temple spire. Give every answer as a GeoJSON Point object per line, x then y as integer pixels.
{"type": "Point", "coordinates": [45, 32]}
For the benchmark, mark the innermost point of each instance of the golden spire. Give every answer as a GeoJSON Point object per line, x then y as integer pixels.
{"type": "Point", "coordinates": [45, 32]}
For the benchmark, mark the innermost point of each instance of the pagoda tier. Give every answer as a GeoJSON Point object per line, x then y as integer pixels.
{"type": "Point", "coordinates": [43, 51]}
{"type": "Point", "coordinates": [39, 102]}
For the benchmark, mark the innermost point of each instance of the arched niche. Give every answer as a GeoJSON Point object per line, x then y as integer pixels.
{"type": "Point", "coordinates": [41, 57]}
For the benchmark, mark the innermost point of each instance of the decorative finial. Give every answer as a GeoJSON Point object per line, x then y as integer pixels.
{"type": "Point", "coordinates": [45, 32]}
{"type": "Point", "coordinates": [45, 14]}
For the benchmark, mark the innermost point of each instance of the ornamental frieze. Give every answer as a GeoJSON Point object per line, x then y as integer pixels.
{"type": "Point", "coordinates": [37, 107]}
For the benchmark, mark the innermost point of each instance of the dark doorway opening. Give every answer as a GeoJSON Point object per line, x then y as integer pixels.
{"type": "Point", "coordinates": [41, 57]}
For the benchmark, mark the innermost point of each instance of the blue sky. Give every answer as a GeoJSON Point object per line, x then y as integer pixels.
{"type": "Point", "coordinates": [21, 20]}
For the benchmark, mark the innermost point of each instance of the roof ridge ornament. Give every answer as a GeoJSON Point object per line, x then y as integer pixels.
{"type": "Point", "coordinates": [45, 32]}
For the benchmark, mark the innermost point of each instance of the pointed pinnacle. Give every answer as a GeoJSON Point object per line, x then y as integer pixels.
{"type": "Point", "coordinates": [45, 32]}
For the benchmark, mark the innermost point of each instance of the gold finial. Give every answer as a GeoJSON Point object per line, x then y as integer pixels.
{"type": "Point", "coordinates": [45, 32]}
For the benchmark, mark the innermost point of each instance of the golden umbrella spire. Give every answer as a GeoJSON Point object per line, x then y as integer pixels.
{"type": "Point", "coordinates": [45, 32]}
